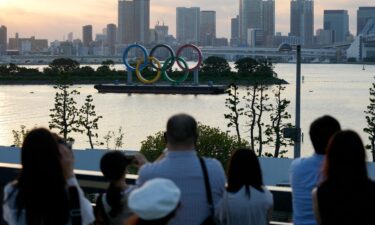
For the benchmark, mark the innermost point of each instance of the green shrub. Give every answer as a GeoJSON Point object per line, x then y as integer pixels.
{"type": "Point", "coordinates": [212, 142]}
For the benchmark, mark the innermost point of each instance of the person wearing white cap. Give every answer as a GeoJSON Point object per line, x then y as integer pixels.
{"type": "Point", "coordinates": [154, 203]}
{"type": "Point", "coordinates": [201, 180]}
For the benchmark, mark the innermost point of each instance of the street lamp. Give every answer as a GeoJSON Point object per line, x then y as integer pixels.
{"type": "Point", "coordinates": [295, 133]}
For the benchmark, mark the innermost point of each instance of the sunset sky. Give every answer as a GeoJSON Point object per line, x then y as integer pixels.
{"type": "Point", "coordinates": [53, 19]}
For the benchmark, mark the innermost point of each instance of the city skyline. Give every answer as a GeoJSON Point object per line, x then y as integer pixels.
{"type": "Point", "coordinates": [44, 18]}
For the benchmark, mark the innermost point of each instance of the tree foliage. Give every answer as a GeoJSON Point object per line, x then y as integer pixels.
{"type": "Point", "coordinates": [212, 142]}
{"type": "Point", "coordinates": [89, 120]}
{"type": "Point", "coordinates": [64, 65]}
{"type": "Point", "coordinates": [232, 103]}
{"type": "Point", "coordinates": [65, 115]}
{"type": "Point", "coordinates": [215, 65]}
{"type": "Point", "coordinates": [274, 130]}
{"type": "Point", "coordinates": [370, 119]}
{"type": "Point", "coordinates": [252, 67]}
{"type": "Point", "coordinates": [19, 135]}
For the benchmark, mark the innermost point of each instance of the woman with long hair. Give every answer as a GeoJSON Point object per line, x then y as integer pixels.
{"type": "Point", "coordinates": [40, 194]}
{"type": "Point", "coordinates": [346, 194]}
{"type": "Point", "coordinates": [246, 201]}
{"type": "Point", "coordinates": [112, 206]}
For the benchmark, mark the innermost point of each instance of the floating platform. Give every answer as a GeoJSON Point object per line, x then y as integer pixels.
{"type": "Point", "coordinates": [162, 89]}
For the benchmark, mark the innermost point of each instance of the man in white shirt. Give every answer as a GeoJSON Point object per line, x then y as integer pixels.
{"type": "Point", "coordinates": [305, 172]}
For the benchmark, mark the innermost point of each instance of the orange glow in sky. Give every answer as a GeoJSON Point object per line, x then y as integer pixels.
{"type": "Point", "coordinates": [53, 19]}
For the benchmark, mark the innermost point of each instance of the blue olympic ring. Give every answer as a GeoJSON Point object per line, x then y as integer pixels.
{"type": "Point", "coordinates": [125, 57]}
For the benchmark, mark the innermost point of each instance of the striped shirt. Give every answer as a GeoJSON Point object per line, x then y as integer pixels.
{"type": "Point", "coordinates": [183, 168]}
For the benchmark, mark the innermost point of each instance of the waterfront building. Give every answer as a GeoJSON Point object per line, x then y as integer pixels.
{"type": "Point", "coordinates": [291, 40]}
{"type": "Point", "coordinates": [187, 24]}
{"type": "Point", "coordinates": [87, 35]}
{"type": "Point", "coordinates": [28, 45]}
{"type": "Point", "coordinates": [220, 42]}
{"type": "Point", "coordinates": [250, 17]}
{"type": "Point", "coordinates": [324, 37]}
{"type": "Point", "coordinates": [268, 21]}
{"type": "Point", "coordinates": [255, 37]}
{"type": "Point", "coordinates": [161, 33]}
{"type": "Point", "coordinates": [3, 39]}
{"type": "Point", "coordinates": [70, 36]}
{"type": "Point", "coordinates": [234, 31]}
{"type": "Point", "coordinates": [302, 20]}
{"type": "Point", "coordinates": [111, 38]}
{"type": "Point", "coordinates": [364, 14]}
{"type": "Point", "coordinates": [133, 21]}
{"type": "Point", "coordinates": [338, 22]}
{"type": "Point", "coordinates": [207, 27]}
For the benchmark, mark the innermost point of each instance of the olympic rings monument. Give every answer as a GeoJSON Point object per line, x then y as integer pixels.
{"type": "Point", "coordinates": [170, 85]}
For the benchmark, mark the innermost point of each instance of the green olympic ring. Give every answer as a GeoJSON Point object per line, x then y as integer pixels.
{"type": "Point", "coordinates": [165, 68]}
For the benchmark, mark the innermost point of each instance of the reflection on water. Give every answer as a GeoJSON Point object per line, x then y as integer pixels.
{"type": "Point", "coordinates": [338, 90]}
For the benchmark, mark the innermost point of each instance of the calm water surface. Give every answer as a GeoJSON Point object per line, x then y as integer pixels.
{"type": "Point", "coordinates": [338, 90]}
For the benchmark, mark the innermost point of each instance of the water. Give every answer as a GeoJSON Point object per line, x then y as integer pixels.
{"type": "Point", "coordinates": [338, 90]}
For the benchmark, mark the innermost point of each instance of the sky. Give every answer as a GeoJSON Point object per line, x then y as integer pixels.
{"type": "Point", "coordinates": [54, 19]}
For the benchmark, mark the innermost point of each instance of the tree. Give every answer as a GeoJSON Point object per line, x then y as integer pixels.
{"type": "Point", "coordinates": [251, 99]}
{"type": "Point", "coordinates": [64, 65]}
{"type": "Point", "coordinates": [277, 117]}
{"type": "Point", "coordinates": [265, 69]}
{"type": "Point", "coordinates": [89, 120]}
{"type": "Point", "coordinates": [118, 139]}
{"type": "Point", "coordinates": [86, 71]}
{"type": "Point", "coordinates": [246, 66]}
{"type": "Point", "coordinates": [108, 63]}
{"type": "Point", "coordinates": [232, 103]}
{"type": "Point", "coordinates": [65, 114]}
{"type": "Point", "coordinates": [370, 119]}
{"type": "Point", "coordinates": [212, 142]}
{"type": "Point", "coordinates": [19, 135]}
{"type": "Point", "coordinates": [215, 65]}
{"type": "Point", "coordinates": [261, 106]}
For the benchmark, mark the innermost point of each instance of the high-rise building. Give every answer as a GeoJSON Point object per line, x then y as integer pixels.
{"type": "Point", "coordinates": [133, 21]}
{"type": "Point", "coordinates": [161, 33]}
{"type": "Point", "coordinates": [364, 14]}
{"type": "Point", "coordinates": [86, 35]}
{"type": "Point", "coordinates": [187, 24]}
{"type": "Point", "coordinates": [234, 31]}
{"type": "Point", "coordinates": [338, 22]}
{"type": "Point", "coordinates": [250, 18]}
{"type": "Point", "coordinates": [70, 37]}
{"type": "Point", "coordinates": [324, 37]}
{"type": "Point", "coordinates": [3, 39]}
{"type": "Point", "coordinates": [302, 20]}
{"type": "Point", "coordinates": [207, 28]}
{"type": "Point", "coordinates": [268, 21]}
{"type": "Point", "coordinates": [111, 38]}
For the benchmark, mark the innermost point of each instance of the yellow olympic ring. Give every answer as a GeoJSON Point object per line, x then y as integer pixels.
{"type": "Point", "coordinates": [144, 80]}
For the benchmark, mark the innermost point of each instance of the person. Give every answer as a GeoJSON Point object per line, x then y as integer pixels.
{"type": "Point", "coordinates": [154, 203]}
{"type": "Point", "coordinates": [40, 193]}
{"type": "Point", "coordinates": [112, 206]}
{"type": "Point", "coordinates": [247, 201]}
{"type": "Point", "coordinates": [346, 195]}
{"type": "Point", "coordinates": [305, 173]}
{"type": "Point", "coordinates": [182, 165]}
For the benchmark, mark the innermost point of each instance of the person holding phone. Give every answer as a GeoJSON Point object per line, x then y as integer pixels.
{"type": "Point", "coordinates": [40, 194]}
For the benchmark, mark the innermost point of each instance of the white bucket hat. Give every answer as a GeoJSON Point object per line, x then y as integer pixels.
{"type": "Point", "coordinates": [155, 199]}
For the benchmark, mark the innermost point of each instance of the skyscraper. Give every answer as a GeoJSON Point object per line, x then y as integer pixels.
{"type": "Point", "coordinates": [70, 36]}
{"type": "Point", "coordinates": [364, 14]}
{"type": "Point", "coordinates": [133, 21]}
{"type": "Point", "coordinates": [250, 17]}
{"type": "Point", "coordinates": [234, 31]}
{"type": "Point", "coordinates": [207, 28]}
{"type": "Point", "coordinates": [161, 32]}
{"type": "Point", "coordinates": [187, 24]}
{"type": "Point", "coordinates": [268, 20]}
{"type": "Point", "coordinates": [338, 22]}
{"type": "Point", "coordinates": [111, 37]}
{"type": "Point", "coordinates": [302, 20]}
{"type": "Point", "coordinates": [3, 39]}
{"type": "Point", "coordinates": [86, 35]}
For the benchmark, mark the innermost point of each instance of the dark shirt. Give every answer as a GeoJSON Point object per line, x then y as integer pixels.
{"type": "Point", "coordinates": [346, 204]}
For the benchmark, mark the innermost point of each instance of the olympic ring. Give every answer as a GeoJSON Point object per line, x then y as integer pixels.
{"type": "Point", "coordinates": [125, 56]}
{"type": "Point", "coordinates": [158, 74]}
{"type": "Point", "coordinates": [165, 74]}
{"type": "Point", "coordinates": [171, 53]}
{"type": "Point", "coordinates": [162, 70]}
{"type": "Point", "coordinates": [200, 58]}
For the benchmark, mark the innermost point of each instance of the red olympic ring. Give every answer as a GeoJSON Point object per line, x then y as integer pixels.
{"type": "Point", "coordinates": [200, 58]}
